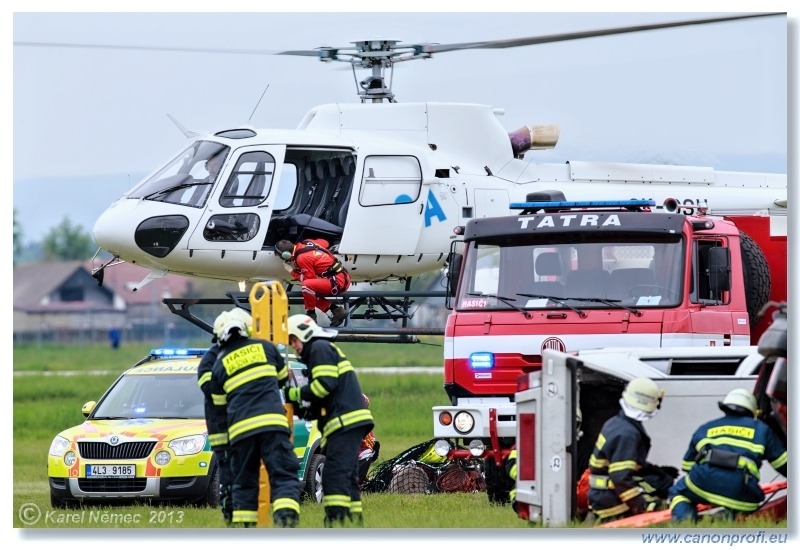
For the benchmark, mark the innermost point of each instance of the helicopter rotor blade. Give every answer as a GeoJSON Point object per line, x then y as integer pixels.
{"type": "Point", "coordinates": [404, 52]}
{"type": "Point", "coordinates": [561, 37]}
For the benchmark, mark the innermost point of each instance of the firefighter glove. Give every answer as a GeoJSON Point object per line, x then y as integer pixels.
{"type": "Point", "coordinates": [292, 395]}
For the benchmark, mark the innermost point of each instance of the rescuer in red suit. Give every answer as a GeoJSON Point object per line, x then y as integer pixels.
{"type": "Point", "coordinates": [320, 273]}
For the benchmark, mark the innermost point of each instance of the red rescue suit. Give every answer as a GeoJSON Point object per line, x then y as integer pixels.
{"type": "Point", "coordinates": [320, 273]}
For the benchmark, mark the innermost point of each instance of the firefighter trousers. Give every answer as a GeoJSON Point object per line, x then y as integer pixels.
{"type": "Point", "coordinates": [277, 453]}
{"type": "Point", "coordinates": [341, 495]}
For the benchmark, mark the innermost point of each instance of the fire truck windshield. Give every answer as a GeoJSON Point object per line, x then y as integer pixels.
{"type": "Point", "coordinates": [635, 273]}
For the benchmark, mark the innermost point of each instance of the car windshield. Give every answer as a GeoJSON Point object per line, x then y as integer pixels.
{"type": "Point", "coordinates": [153, 395]}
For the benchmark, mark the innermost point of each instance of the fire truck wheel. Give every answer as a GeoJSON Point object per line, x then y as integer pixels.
{"type": "Point", "coordinates": [757, 281]}
{"type": "Point", "coordinates": [498, 484]}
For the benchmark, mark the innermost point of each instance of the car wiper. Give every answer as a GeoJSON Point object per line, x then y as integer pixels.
{"type": "Point", "coordinates": [559, 301]}
{"type": "Point", "coordinates": [615, 303]}
{"type": "Point", "coordinates": [111, 418]}
{"type": "Point", "coordinates": [507, 301]}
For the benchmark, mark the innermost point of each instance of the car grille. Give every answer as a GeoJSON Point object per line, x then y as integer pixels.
{"type": "Point", "coordinates": [112, 485]}
{"type": "Point", "coordinates": [128, 451]}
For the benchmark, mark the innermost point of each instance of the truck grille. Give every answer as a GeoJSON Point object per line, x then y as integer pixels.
{"type": "Point", "coordinates": [112, 485]}
{"type": "Point", "coordinates": [128, 451]}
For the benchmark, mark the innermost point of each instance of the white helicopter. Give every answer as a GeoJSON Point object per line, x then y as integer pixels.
{"type": "Point", "coordinates": [385, 183]}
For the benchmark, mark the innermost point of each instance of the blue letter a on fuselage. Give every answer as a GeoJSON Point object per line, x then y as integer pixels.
{"type": "Point", "coordinates": [433, 210]}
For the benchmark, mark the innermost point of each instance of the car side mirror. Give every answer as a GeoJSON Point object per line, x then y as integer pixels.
{"type": "Point", "coordinates": [88, 408]}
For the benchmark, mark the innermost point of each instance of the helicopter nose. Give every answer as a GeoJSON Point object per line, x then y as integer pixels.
{"type": "Point", "coordinates": [156, 235]}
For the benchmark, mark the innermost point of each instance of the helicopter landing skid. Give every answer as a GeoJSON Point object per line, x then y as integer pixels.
{"type": "Point", "coordinates": [373, 306]}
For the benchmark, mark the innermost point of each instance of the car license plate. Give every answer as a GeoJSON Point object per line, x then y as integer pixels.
{"type": "Point", "coordinates": [110, 470]}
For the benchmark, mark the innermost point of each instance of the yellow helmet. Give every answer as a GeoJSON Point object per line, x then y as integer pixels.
{"type": "Point", "coordinates": [740, 402]}
{"type": "Point", "coordinates": [642, 394]}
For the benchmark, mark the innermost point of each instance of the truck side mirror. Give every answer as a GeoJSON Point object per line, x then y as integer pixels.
{"type": "Point", "coordinates": [719, 269]}
{"type": "Point", "coordinates": [453, 270]}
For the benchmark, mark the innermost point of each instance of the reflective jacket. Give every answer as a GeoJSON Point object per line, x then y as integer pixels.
{"type": "Point", "coordinates": [216, 422]}
{"type": "Point", "coordinates": [724, 458]}
{"type": "Point", "coordinates": [619, 456]}
{"type": "Point", "coordinates": [246, 383]}
{"type": "Point", "coordinates": [333, 389]}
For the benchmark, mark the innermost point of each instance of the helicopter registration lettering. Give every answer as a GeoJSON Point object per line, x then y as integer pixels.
{"type": "Point", "coordinates": [433, 210]}
{"type": "Point", "coordinates": [569, 220]}
{"type": "Point", "coordinates": [479, 303]}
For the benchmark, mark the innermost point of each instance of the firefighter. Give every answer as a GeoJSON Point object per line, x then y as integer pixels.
{"type": "Point", "coordinates": [337, 404]}
{"type": "Point", "coordinates": [621, 482]}
{"type": "Point", "coordinates": [320, 273]}
{"type": "Point", "coordinates": [217, 431]}
{"type": "Point", "coordinates": [724, 458]}
{"type": "Point", "coordinates": [246, 382]}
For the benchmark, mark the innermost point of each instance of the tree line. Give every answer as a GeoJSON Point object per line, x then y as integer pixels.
{"type": "Point", "coordinates": [65, 241]}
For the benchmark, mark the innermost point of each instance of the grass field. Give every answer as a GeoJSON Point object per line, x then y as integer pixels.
{"type": "Point", "coordinates": [400, 403]}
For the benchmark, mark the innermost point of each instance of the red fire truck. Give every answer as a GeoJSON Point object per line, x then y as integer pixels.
{"type": "Point", "coordinates": [572, 276]}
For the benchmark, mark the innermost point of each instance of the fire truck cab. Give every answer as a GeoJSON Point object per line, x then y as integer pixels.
{"type": "Point", "coordinates": [568, 276]}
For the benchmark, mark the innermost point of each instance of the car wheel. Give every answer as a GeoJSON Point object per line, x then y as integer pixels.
{"type": "Point", "coordinates": [313, 489]}
{"type": "Point", "coordinates": [211, 498]}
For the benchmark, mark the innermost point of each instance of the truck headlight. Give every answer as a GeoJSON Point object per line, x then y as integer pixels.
{"type": "Point", "coordinates": [463, 422]}
{"type": "Point", "coordinates": [189, 445]}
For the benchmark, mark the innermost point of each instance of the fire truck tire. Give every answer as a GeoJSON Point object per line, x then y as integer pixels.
{"type": "Point", "coordinates": [757, 280]}
{"type": "Point", "coordinates": [498, 484]}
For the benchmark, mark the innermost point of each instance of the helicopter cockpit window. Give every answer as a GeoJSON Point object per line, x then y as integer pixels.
{"type": "Point", "coordinates": [188, 178]}
{"type": "Point", "coordinates": [390, 180]}
{"type": "Point", "coordinates": [250, 181]}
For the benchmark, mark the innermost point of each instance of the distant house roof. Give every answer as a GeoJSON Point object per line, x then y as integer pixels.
{"type": "Point", "coordinates": [37, 286]}
{"type": "Point", "coordinates": [123, 278]}
{"type": "Point", "coordinates": [35, 282]}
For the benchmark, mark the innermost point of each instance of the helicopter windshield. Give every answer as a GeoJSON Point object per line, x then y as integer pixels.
{"type": "Point", "coordinates": [188, 178]}
{"type": "Point", "coordinates": [632, 273]}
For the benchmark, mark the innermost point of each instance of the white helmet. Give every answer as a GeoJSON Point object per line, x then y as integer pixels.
{"type": "Point", "coordinates": [740, 402]}
{"type": "Point", "coordinates": [642, 394]}
{"type": "Point", "coordinates": [305, 328]}
{"type": "Point", "coordinates": [236, 319]}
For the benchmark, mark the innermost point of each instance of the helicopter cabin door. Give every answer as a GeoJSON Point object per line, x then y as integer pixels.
{"type": "Point", "coordinates": [238, 212]}
{"type": "Point", "coordinates": [387, 208]}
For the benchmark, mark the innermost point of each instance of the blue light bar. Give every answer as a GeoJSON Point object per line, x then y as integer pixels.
{"type": "Point", "coordinates": [481, 360]}
{"type": "Point", "coordinates": [177, 352]}
{"type": "Point", "coordinates": [638, 203]}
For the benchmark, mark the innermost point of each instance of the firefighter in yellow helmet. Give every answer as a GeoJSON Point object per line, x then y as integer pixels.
{"type": "Point", "coordinates": [245, 386]}
{"type": "Point", "coordinates": [337, 403]}
{"type": "Point", "coordinates": [724, 458]}
{"type": "Point", "coordinates": [621, 481]}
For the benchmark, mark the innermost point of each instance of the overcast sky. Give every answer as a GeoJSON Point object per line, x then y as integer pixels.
{"type": "Point", "coordinates": [711, 95]}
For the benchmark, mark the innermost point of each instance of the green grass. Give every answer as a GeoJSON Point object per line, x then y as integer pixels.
{"type": "Point", "coordinates": [400, 403]}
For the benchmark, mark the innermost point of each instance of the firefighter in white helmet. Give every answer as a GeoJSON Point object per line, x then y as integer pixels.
{"type": "Point", "coordinates": [337, 403]}
{"type": "Point", "coordinates": [245, 386]}
{"type": "Point", "coordinates": [622, 483]}
{"type": "Point", "coordinates": [724, 458]}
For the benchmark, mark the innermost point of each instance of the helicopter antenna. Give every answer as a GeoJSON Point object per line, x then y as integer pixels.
{"type": "Point", "coordinates": [188, 133]}
{"type": "Point", "coordinates": [258, 103]}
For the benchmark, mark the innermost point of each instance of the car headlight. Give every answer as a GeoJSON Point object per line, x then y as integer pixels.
{"type": "Point", "coordinates": [463, 422]}
{"type": "Point", "coordinates": [59, 445]}
{"type": "Point", "coordinates": [70, 458]}
{"type": "Point", "coordinates": [189, 445]}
